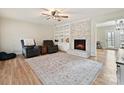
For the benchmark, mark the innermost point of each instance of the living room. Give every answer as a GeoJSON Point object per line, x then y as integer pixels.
{"type": "Point", "coordinates": [40, 39]}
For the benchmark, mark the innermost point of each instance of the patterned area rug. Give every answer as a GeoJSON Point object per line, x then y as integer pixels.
{"type": "Point", "coordinates": [64, 69]}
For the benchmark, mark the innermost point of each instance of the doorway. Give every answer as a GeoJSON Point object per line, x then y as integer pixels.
{"type": "Point", "coordinates": [110, 39]}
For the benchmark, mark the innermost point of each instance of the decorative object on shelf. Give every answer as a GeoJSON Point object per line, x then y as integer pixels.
{"type": "Point", "coordinates": [56, 40]}
{"type": "Point", "coordinates": [67, 40]}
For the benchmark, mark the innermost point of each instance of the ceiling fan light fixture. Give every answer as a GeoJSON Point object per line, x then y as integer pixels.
{"type": "Point", "coordinates": [54, 14]}
{"type": "Point", "coordinates": [54, 18]}
{"type": "Point", "coordinates": [59, 20]}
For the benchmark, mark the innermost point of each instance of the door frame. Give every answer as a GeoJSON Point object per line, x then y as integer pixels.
{"type": "Point", "coordinates": [106, 39]}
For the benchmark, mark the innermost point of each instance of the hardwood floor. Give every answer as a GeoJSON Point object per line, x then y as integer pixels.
{"type": "Point", "coordinates": [108, 73]}
{"type": "Point", "coordinates": [18, 72]}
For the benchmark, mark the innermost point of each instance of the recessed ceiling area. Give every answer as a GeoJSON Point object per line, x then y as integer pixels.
{"type": "Point", "coordinates": [34, 14]}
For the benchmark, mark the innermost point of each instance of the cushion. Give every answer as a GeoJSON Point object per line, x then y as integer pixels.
{"type": "Point", "coordinates": [29, 42]}
{"type": "Point", "coordinates": [5, 56]}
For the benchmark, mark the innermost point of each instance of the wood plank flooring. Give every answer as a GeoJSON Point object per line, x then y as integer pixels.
{"type": "Point", "coordinates": [18, 72]}
{"type": "Point", "coordinates": [108, 73]}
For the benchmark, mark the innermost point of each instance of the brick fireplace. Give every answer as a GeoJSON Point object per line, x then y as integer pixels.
{"type": "Point", "coordinates": [80, 47]}
{"type": "Point", "coordinates": [80, 38]}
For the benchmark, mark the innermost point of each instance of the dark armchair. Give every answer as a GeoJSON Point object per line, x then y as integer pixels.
{"type": "Point", "coordinates": [51, 48]}
{"type": "Point", "coordinates": [30, 51]}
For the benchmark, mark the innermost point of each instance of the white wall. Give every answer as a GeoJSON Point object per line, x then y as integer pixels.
{"type": "Point", "coordinates": [93, 38]}
{"type": "Point", "coordinates": [12, 31]}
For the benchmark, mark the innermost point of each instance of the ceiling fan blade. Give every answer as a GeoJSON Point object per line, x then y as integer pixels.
{"type": "Point", "coordinates": [48, 18]}
{"type": "Point", "coordinates": [61, 16]}
{"type": "Point", "coordinates": [45, 9]}
{"type": "Point", "coordinates": [64, 16]}
{"type": "Point", "coordinates": [45, 14]}
{"type": "Point", "coordinates": [59, 19]}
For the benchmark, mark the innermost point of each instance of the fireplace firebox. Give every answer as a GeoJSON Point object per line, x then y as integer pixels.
{"type": "Point", "coordinates": [80, 44]}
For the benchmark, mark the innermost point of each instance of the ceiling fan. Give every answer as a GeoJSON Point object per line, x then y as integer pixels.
{"type": "Point", "coordinates": [55, 14]}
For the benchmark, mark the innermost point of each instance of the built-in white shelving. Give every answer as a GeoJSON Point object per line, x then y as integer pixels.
{"type": "Point", "coordinates": [62, 35]}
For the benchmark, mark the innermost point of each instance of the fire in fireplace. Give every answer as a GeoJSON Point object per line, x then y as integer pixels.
{"type": "Point", "coordinates": [80, 44]}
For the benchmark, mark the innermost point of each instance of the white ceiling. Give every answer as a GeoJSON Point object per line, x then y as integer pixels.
{"type": "Point", "coordinates": [33, 14]}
